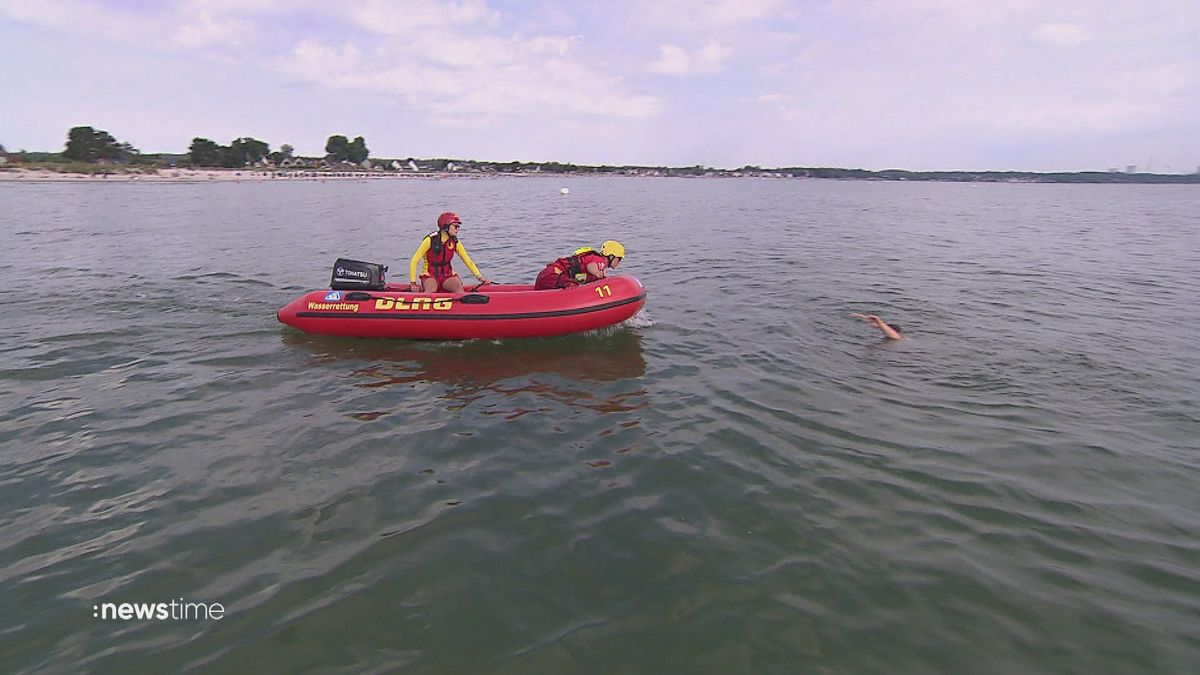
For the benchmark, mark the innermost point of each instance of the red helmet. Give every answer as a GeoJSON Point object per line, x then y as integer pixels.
{"type": "Point", "coordinates": [447, 219]}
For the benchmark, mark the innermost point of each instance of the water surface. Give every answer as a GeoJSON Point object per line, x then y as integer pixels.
{"type": "Point", "coordinates": [741, 479]}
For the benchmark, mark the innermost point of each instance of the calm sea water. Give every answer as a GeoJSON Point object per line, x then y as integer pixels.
{"type": "Point", "coordinates": [741, 480]}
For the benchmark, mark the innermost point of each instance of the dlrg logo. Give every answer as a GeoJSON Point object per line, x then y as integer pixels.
{"type": "Point", "coordinates": [383, 304]}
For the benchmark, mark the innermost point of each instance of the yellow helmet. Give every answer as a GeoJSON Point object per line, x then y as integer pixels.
{"type": "Point", "coordinates": [613, 248]}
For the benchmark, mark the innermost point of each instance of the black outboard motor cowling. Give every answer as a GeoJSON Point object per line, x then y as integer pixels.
{"type": "Point", "coordinates": [353, 275]}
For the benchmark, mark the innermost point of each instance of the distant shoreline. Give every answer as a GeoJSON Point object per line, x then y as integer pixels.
{"type": "Point", "coordinates": [17, 174]}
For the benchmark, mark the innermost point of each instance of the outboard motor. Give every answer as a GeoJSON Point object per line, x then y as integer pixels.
{"type": "Point", "coordinates": [354, 275]}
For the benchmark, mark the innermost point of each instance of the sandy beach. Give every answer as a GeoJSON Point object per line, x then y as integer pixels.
{"type": "Point", "coordinates": [193, 176]}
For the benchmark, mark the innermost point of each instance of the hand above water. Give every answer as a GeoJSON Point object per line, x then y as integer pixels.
{"type": "Point", "coordinates": [892, 332]}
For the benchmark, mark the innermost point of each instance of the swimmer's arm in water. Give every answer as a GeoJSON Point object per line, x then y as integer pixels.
{"type": "Point", "coordinates": [891, 333]}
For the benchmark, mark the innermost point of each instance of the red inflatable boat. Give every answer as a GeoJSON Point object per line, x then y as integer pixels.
{"type": "Point", "coordinates": [488, 312]}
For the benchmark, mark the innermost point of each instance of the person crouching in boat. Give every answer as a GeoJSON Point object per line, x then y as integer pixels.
{"type": "Point", "coordinates": [436, 250]}
{"type": "Point", "coordinates": [583, 266]}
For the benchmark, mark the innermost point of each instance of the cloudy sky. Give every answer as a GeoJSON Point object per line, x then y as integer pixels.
{"type": "Point", "coordinates": [1042, 85]}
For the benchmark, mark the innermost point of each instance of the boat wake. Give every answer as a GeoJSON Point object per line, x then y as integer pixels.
{"type": "Point", "coordinates": [640, 320]}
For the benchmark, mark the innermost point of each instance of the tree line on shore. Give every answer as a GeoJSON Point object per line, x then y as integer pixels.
{"type": "Point", "coordinates": [92, 146]}
{"type": "Point", "coordinates": [245, 152]}
{"type": "Point", "coordinates": [88, 145]}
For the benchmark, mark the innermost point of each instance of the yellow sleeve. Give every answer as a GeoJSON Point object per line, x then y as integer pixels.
{"type": "Point", "coordinates": [417, 258]}
{"type": "Point", "coordinates": [462, 253]}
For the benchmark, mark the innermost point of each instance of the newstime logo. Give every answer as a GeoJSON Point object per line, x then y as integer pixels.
{"type": "Point", "coordinates": [175, 610]}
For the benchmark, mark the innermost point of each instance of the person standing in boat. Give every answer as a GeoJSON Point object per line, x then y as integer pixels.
{"type": "Point", "coordinates": [436, 250]}
{"type": "Point", "coordinates": [583, 266]}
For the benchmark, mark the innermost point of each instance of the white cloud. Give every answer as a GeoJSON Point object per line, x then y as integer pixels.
{"type": "Point", "coordinates": [322, 61]}
{"type": "Point", "coordinates": [80, 18]}
{"type": "Point", "coordinates": [1059, 34]}
{"type": "Point", "coordinates": [456, 63]}
{"type": "Point", "coordinates": [452, 60]}
{"type": "Point", "coordinates": [554, 46]}
{"type": "Point", "coordinates": [403, 18]}
{"type": "Point", "coordinates": [497, 78]}
{"type": "Point", "coordinates": [203, 27]}
{"type": "Point", "coordinates": [938, 75]}
{"type": "Point", "coordinates": [934, 69]}
{"type": "Point", "coordinates": [672, 60]}
{"type": "Point", "coordinates": [713, 53]}
{"type": "Point", "coordinates": [675, 60]}
{"type": "Point", "coordinates": [185, 25]}
{"type": "Point", "coordinates": [706, 16]}
{"type": "Point", "coordinates": [772, 98]}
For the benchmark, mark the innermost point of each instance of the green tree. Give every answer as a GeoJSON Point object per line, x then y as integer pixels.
{"type": "Point", "coordinates": [239, 153]}
{"type": "Point", "coordinates": [337, 148]}
{"type": "Point", "coordinates": [79, 144]}
{"type": "Point", "coordinates": [249, 150]}
{"type": "Point", "coordinates": [284, 152]}
{"type": "Point", "coordinates": [231, 158]}
{"type": "Point", "coordinates": [204, 152]}
{"type": "Point", "coordinates": [127, 153]}
{"type": "Point", "coordinates": [357, 152]}
{"type": "Point", "coordinates": [86, 144]}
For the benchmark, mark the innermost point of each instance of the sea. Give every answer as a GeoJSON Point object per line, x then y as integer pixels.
{"type": "Point", "coordinates": [740, 479]}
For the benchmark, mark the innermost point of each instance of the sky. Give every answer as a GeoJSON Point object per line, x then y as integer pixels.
{"type": "Point", "coordinates": [1020, 85]}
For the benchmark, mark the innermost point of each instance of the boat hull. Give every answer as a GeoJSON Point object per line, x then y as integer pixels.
{"type": "Point", "coordinates": [491, 312]}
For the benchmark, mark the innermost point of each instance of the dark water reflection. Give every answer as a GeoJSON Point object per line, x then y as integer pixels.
{"type": "Point", "coordinates": [552, 372]}
{"type": "Point", "coordinates": [597, 356]}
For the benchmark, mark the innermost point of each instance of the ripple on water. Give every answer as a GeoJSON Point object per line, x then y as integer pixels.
{"type": "Point", "coordinates": [741, 479]}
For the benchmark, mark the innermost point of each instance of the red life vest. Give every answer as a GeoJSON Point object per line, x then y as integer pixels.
{"type": "Point", "coordinates": [573, 265]}
{"type": "Point", "coordinates": [437, 258]}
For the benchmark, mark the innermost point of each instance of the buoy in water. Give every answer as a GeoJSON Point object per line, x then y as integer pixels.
{"type": "Point", "coordinates": [565, 191]}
